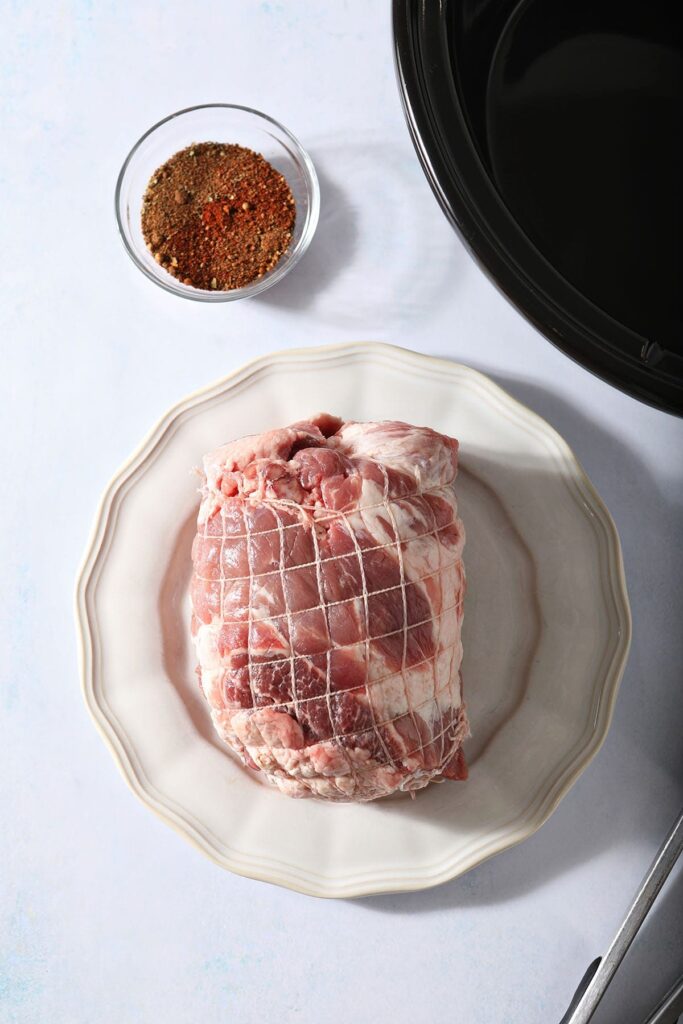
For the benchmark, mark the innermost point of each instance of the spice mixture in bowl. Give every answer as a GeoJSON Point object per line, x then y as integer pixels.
{"type": "Point", "coordinates": [217, 216]}
{"type": "Point", "coordinates": [217, 202]}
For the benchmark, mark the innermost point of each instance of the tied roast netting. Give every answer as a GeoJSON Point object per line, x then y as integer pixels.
{"type": "Point", "coordinates": [327, 598]}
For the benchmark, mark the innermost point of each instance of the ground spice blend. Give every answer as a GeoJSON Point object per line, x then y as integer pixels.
{"type": "Point", "coordinates": [217, 216]}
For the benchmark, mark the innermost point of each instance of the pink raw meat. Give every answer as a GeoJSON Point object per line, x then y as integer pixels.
{"type": "Point", "coordinates": [328, 598]}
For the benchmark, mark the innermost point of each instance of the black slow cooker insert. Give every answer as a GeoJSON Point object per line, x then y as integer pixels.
{"type": "Point", "coordinates": [551, 132]}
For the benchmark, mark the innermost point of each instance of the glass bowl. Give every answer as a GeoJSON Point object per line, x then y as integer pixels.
{"type": "Point", "coordinates": [216, 122]}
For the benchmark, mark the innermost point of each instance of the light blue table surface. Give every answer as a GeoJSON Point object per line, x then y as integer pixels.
{"type": "Point", "coordinates": [106, 915]}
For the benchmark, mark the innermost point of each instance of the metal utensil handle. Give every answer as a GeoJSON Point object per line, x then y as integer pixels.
{"type": "Point", "coordinates": [645, 897]}
{"type": "Point", "coordinates": [671, 1006]}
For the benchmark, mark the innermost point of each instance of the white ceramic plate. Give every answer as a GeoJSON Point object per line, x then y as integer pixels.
{"type": "Point", "coordinates": [546, 630]}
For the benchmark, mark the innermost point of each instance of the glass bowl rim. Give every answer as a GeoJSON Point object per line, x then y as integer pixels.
{"type": "Point", "coordinates": [281, 269]}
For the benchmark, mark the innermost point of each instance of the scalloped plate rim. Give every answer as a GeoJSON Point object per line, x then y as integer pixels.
{"type": "Point", "coordinates": [270, 869]}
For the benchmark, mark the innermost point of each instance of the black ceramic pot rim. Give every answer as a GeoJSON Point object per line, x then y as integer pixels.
{"type": "Point", "coordinates": [439, 130]}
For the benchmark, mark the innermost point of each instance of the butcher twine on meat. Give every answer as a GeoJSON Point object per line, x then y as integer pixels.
{"type": "Point", "coordinates": [328, 599]}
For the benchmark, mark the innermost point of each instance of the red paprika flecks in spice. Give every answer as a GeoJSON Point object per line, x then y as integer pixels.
{"type": "Point", "coordinates": [217, 216]}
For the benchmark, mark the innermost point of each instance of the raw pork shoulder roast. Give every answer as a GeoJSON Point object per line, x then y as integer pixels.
{"type": "Point", "coordinates": [328, 598]}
